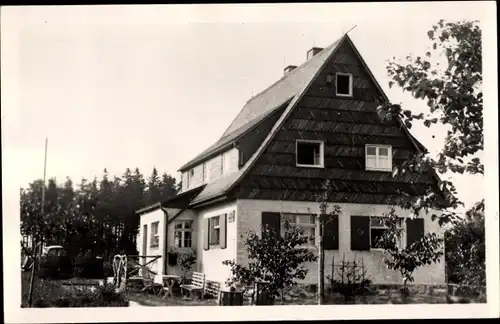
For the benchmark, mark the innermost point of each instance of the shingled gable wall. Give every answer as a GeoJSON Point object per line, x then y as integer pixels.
{"type": "Point", "coordinates": [345, 125]}
{"type": "Point", "coordinates": [276, 184]}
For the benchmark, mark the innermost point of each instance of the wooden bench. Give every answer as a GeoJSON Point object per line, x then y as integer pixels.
{"type": "Point", "coordinates": [197, 284]}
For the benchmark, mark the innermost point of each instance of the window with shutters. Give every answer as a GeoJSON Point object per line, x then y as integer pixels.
{"type": "Point", "coordinates": [306, 223]}
{"type": "Point", "coordinates": [183, 234]}
{"type": "Point", "coordinates": [214, 230]}
{"type": "Point", "coordinates": [378, 157]}
{"type": "Point", "coordinates": [155, 237]}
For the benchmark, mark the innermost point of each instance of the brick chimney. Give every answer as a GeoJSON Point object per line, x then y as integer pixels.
{"type": "Point", "coordinates": [289, 68]}
{"type": "Point", "coordinates": [313, 51]}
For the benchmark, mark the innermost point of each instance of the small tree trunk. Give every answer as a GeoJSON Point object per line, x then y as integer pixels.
{"type": "Point", "coordinates": [33, 271]}
{"type": "Point", "coordinates": [321, 260]}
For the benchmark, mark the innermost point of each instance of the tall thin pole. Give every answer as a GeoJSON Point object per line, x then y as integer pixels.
{"type": "Point", "coordinates": [33, 270]}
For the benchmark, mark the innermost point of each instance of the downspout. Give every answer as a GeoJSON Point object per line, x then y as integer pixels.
{"type": "Point", "coordinates": [165, 243]}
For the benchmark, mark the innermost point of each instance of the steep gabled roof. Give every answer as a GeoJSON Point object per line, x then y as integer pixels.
{"type": "Point", "coordinates": [292, 86]}
{"type": "Point", "coordinates": [264, 103]}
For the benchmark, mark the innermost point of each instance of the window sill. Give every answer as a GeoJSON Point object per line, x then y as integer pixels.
{"type": "Point", "coordinates": [381, 170]}
{"type": "Point", "coordinates": [183, 248]}
{"type": "Point", "coordinates": [310, 166]}
{"type": "Point", "coordinates": [154, 246]}
{"type": "Point", "coordinates": [214, 246]}
{"type": "Point", "coordinates": [344, 95]}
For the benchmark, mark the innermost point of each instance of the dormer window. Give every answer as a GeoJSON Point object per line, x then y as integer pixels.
{"type": "Point", "coordinates": [309, 153]}
{"type": "Point", "coordinates": [378, 157]}
{"type": "Point", "coordinates": [343, 84]}
{"type": "Point", "coordinates": [190, 176]}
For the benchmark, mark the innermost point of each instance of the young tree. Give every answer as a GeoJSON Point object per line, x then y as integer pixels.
{"type": "Point", "coordinates": [453, 93]}
{"type": "Point", "coordinates": [275, 259]}
{"type": "Point", "coordinates": [465, 248]}
{"type": "Point", "coordinates": [406, 260]}
{"type": "Point", "coordinates": [323, 218]}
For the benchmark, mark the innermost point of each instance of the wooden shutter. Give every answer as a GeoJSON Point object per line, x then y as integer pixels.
{"type": "Point", "coordinates": [272, 220]}
{"type": "Point", "coordinates": [223, 231]}
{"type": "Point", "coordinates": [414, 230]}
{"type": "Point", "coordinates": [206, 234]}
{"type": "Point", "coordinates": [360, 233]}
{"type": "Point", "coordinates": [331, 233]}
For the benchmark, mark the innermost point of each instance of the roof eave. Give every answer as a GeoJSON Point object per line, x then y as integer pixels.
{"type": "Point", "coordinates": [208, 156]}
{"type": "Point", "coordinates": [210, 200]}
{"type": "Point", "coordinates": [149, 208]}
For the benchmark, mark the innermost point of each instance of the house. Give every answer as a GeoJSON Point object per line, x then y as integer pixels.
{"type": "Point", "coordinates": [319, 121]}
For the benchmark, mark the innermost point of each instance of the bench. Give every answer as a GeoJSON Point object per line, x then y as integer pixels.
{"type": "Point", "coordinates": [197, 284]}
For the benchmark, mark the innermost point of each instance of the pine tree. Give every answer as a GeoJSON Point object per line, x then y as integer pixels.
{"type": "Point", "coordinates": [154, 188]}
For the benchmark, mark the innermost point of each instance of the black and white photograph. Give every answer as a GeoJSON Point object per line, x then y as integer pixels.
{"type": "Point", "coordinates": [308, 158]}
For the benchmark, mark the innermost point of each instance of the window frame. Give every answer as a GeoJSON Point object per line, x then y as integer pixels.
{"type": "Point", "coordinates": [155, 237]}
{"type": "Point", "coordinates": [297, 223]}
{"type": "Point", "coordinates": [321, 153]}
{"type": "Point", "coordinates": [190, 175]}
{"type": "Point", "coordinates": [399, 243]}
{"type": "Point", "coordinates": [182, 232]}
{"type": "Point", "coordinates": [350, 84]}
{"type": "Point", "coordinates": [377, 147]}
{"type": "Point", "coordinates": [212, 230]}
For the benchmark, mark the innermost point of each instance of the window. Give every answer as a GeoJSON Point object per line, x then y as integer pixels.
{"type": "Point", "coordinates": [306, 222]}
{"type": "Point", "coordinates": [155, 237]}
{"type": "Point", "coordinates": [190, 175]}
{"type": "Point", "coordinates": [214, 230]}
{"type": "Point", "coordinates": [183, 234]}
{"type": "Point", "coordinates": [309, 153]}
{"type": "Point", "coordinates": [378, 157]}
{"type": "Point", "coordinates": [344, 84]}
{"type": "Point", "coordinates": [377, 229]}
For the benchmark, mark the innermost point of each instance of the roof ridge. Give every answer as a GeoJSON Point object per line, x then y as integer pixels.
{"type": "Point", "coordinates": [289, 74]}
{"type": "Point", "coordinates": [280, 80]}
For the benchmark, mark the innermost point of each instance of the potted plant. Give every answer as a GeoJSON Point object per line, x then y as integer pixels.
{"type": "Point", "coordinates": [186, 261]}
{"type": "Point", "coordinates": [172, 256]}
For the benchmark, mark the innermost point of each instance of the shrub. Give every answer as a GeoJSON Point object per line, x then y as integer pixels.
{"type": "Point", "coordinates": [186, 261]}
{"type": "Point", "coordinates": [275, 259]}
{"type": "Point", "coordinates": [349, 280]}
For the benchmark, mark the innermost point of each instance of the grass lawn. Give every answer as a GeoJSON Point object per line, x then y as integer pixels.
{"type": "Point", "coordinates": [154, 300]}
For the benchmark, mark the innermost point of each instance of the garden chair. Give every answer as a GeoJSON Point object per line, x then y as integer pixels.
{"type": "Point", "coordinates": [197, 285]}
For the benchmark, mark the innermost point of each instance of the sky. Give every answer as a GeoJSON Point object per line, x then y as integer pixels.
{"type": "Point", "coordinates": [152, 86]}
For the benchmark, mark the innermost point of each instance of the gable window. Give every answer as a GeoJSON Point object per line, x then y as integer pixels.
{"type": "Point", "coordinates": [309, 153]}
{"type": "Point", "coordinates": [155, 237]}
{"type": "Point", "coordinates": [378, 157]}
{"type": "Point", "coordinates": [183, 234]}
{"type": "Point", "coordinates": [343, 84]}
{"type": "Point", "coordinates": [214, 230]}
{"type": "Point", "coordinates": [306, 223]}
{"type": "Point", "coordinates": [190, 176]}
